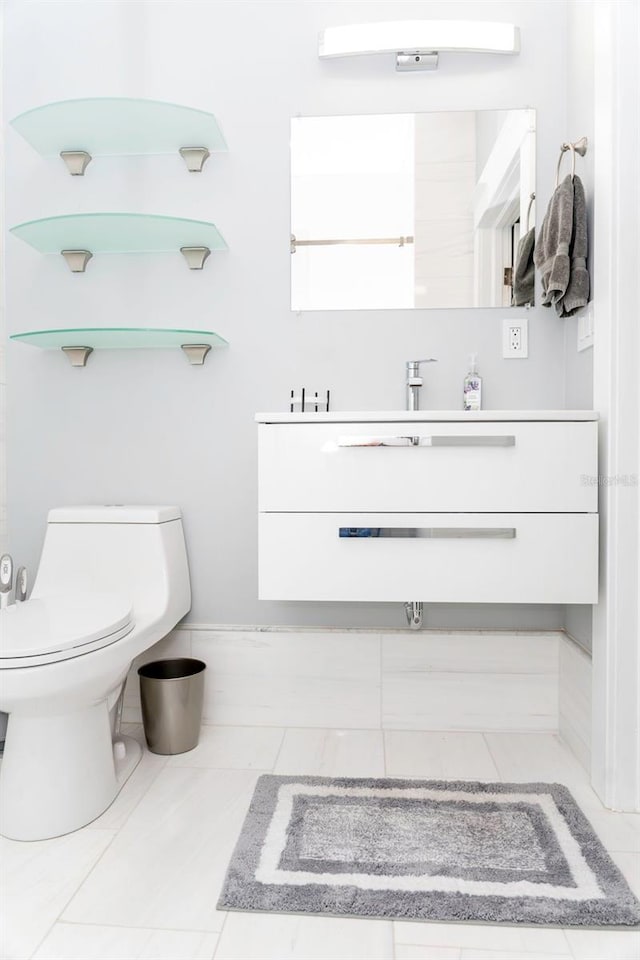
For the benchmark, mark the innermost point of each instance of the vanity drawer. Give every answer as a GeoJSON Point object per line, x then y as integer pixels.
{"type": "Point", "coordinates": [441, 558]}
{"type": "Point", "coordinates": [475, 467]}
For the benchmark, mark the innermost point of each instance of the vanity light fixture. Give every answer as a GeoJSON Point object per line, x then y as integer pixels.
{"type": "Point", "coordinates": [416, 43]}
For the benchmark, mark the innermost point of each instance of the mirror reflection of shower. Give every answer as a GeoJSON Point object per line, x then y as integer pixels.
{"type": "Point", "coordinates": [409, 210]}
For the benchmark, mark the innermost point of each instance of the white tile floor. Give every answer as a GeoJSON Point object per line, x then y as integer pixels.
{"type": "Point", "coordinates": [142, 881]}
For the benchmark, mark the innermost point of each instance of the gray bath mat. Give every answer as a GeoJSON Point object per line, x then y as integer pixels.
{"type": "Point", "coordinates": [424, 850]}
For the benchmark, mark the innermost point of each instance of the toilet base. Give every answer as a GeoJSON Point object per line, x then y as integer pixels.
{"type": "Point", "coordinates": [59, 772]}
{"type": "Point", "coordinates": [126, 764]}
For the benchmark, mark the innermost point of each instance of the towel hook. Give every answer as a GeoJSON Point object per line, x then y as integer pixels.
{"type": "Point", "coordinates": [580, 146]}
{"type": "Point", "coordinates": [531, 199]}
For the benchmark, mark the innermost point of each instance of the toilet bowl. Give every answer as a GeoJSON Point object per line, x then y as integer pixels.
{"type": "Point", "coordinates": [111, 582]}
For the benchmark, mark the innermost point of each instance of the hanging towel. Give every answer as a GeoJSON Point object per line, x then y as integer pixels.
{"type": "Point", "coordinates": [551, 254]}
{"type": "Point", "coordinates": [524, 276]}
{"type": "Point", "coordinates": [577, 293]}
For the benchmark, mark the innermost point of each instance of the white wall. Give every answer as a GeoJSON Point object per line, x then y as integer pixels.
{"type": "Point", "coordinates": [574, 699]}
{"type": "Point", "coordinates": [4, 541]}
{"type": "Point", "coordinates": [616, 621]}
{"type": "Point", "coordinates": [363, 679]}
{"type": "Point", "coordinates": [145, 426]}
{"type": "Point", "coordinates": [580, 123]}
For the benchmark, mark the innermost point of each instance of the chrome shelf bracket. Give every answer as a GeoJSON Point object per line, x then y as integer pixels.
{"type": "Point", "coordinates": [196, 352]}
{"type": "Point", "coordinates": [77, 356]}
{"type": "Point", "coordinates": [77, 260]}
{"type": "Point", "coordinates": [194, 157]}
{"type": "Point", "coordinates": [195, 256]}
{"type": "Point", "coordinates": [77, 161]}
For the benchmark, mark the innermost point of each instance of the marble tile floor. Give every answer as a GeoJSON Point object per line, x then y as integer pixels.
{"type": "Point", "coordinates": [142, 881]}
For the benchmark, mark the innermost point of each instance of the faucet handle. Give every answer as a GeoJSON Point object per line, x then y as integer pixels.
{"type": "Point", "coordinates": [416, 363]}
{"type": "Point", "coordinates": [413, 370]}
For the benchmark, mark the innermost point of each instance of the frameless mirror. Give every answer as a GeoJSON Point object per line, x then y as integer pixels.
{"type": "Point", "coordinates": [412, 210]}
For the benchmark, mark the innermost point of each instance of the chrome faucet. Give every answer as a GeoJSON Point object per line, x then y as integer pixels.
{"type": "Point", "coordinates": [414, 382]}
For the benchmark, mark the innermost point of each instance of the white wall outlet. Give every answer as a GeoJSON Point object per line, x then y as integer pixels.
{"type": "Point", "coordinates": [515, 338]}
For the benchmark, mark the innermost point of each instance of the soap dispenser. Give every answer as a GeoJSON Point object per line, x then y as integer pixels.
{"type": "Point", "coordinates": [472, 393]}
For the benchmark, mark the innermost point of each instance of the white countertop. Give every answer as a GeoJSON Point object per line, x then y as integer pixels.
{"type": "Point", "coordinates": [426, 416]}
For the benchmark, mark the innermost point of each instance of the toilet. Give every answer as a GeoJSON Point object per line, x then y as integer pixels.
{"type": "Point", "coordinates": [112, 581]}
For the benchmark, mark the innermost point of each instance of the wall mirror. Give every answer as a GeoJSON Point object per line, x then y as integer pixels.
{"type": "Point", "coordinates": [411, 210]}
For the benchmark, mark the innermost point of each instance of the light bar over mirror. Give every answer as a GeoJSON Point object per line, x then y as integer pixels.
{"type": "Point", "coordinates": [417, 43]}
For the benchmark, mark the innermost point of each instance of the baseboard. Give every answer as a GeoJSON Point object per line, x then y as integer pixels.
{"type": "Point", "coordinates": [574, 698]}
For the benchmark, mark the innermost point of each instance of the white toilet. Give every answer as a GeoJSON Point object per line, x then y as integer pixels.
{"type": "Point", "coordinates": [112, 581]}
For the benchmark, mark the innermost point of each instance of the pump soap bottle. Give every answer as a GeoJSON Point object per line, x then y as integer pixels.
{"type": "Point", "coordinates": [472, 394]}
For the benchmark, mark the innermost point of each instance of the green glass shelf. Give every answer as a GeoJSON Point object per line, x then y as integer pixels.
{"type": "Point", "coordinates": [110, 126]}
{"type": "Point", "coordinates": [83, 340]}
{"type": "Point", "coordinates": [119, 233]}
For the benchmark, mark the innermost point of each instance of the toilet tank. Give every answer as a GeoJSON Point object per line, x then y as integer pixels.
{"type": "Point", "coordinates": [138, 551]}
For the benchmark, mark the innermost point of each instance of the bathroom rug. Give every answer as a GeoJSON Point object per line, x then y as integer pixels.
{"type": "Point", "coordinates": [424, 850]}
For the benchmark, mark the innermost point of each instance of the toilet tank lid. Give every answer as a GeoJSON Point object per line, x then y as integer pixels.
{"type": "Point", "coordinates": [114, 513]}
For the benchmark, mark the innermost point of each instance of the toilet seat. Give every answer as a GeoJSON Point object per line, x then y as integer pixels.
{"type": "Point", "coordinates": [51, 629]}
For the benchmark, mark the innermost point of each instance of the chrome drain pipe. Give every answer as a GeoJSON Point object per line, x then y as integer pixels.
{"type": "Point", "coordinates": [414, 610]}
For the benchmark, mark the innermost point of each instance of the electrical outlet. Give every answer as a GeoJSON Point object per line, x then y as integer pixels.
{"type": "Point", "coordinates": [515, 338]}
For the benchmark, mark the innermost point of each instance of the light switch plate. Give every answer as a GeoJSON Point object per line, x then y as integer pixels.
{"type": "Point", "coordinates": [515, 338]}
{"type": "Point", "coordinates": [585, 328]}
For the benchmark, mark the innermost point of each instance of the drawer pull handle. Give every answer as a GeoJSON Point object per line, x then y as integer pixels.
{"type": "Point", "coordinates": [468, 440]}
{"type": "Point", "coordinates": [379, 441]}
{"type": "Point", "coordinates": [428, 533]}
{"type": "Point", "coordinates": [471, 441]}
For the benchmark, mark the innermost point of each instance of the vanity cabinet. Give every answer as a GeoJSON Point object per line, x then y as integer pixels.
{"type": "Point", "coordinates": [493, 507]}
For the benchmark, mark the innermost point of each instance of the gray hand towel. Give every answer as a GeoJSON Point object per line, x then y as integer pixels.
{"type": "Point", "coordinates": [551, 254]}
{"type": "Point", "coordinates": [577, 293]}
{"type": "Point", "coordinates": [524, 274]}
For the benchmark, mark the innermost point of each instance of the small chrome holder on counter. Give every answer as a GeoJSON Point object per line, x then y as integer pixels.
{"type": "Point", "coordinates": [307, 402]}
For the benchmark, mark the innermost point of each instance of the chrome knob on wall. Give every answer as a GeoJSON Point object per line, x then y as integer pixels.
{"type": "Point", "coordinates": [22, 581]}
{"type": "Point", "coordinates": [6, 580]}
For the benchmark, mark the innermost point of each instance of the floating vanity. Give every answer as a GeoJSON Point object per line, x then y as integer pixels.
{"type": "Point", "coordinates": [433, 506]}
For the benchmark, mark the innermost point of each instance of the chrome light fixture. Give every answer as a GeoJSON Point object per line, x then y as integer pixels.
{"type": "Point", "coordinates": [416, 43]}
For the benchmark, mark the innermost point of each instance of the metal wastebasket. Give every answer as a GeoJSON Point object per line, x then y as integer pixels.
{"type": "Point", "coordinates": [172, 692]}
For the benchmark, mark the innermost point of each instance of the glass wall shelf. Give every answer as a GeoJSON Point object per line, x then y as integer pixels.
{"type": "Point", "coordinates": [111, 126]}
{"type": "Point", "coordinates": [87, 233]}
{"type": "Point", "coordinates": [79, 342]}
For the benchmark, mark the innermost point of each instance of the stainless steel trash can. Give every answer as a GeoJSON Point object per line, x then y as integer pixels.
{"type": "Point", "coordinates": [172, 692]}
